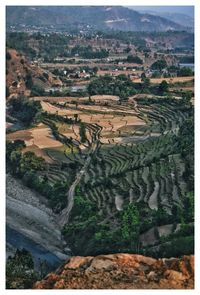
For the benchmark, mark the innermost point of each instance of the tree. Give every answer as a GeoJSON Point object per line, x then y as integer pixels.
{"type": "Point", "coordinates": [127, 49]}
{"type": "Point", "coordinates": [20, 272]}
{"type": "Point", "coordinates": [159, 65]}
{"type": "Point", "coordinates": [185, 72]}
{"type": "Point", "coordinates": [145, 80]}
{"type": "Point", "coordinates": [163, 87]}
{"type": "Point", "coordinates": [130, 225]}
{"type": "Point", "coordinates": [25, 110]}
{"type": "Point", "coordinates": [134, 59]}
{"type": "Point", "coordinates": [76, 117]}
{"type": "Point", "coordinates": [187, 97]}
{"type": "Point", "coordinates": [29, 161]}
{"type": "Point", "coordinates": [82, 132]}
{"type": "Point", "coordinates": [95, 70]}
{"type": "Point", "coordinates": [29, 81]}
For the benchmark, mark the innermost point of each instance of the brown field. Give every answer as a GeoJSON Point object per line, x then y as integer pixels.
{"type": "Point", "coordinates": [69, 99]}
{"type": "Point", "coordinates": [25, 135]}
{"type": "Point", "coordinates": [69, 130]}
{"type": "Point", "coordinates": [39, 136]}
{"type": "Point", "coordinates": [112, 125]}
{"type": "Point", "coordinates": [169, 80]}
{"type": "Point", "coordinates": [55, 110]}
{"type": "Point", "coordinates": [116, 120]}
{"type": "Point", "coordinates": [105, 97]}
{"type": "Point", "coordinates": [187, 88]}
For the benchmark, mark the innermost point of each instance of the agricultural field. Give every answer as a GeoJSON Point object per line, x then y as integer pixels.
{"type": "Point", "coordinates": [115, 158]}
{"type": "Point", "coordinates": [169, 80]}
{"type": "Point", "coordinates": [132, 147]}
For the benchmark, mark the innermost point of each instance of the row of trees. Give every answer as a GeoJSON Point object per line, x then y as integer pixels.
{"type": "Point", "coordinates": [88, 52]}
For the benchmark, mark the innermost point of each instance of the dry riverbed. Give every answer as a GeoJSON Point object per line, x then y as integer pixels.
{"type": "Point", "coordinates": [31, 221]}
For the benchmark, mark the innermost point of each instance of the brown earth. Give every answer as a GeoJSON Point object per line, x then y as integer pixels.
{"type": "Point", "coordinates": [17, 71]}
{"type": "Point", "coordinates": [121, 271]}
{"type": "Point", "coordinates": [169, 80]}
{"type": "Point", "coordinates": [39, 136]}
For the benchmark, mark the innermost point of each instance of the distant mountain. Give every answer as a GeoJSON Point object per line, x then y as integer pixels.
{"type": "Point", "coordinates": [182, 9]}
{"type": "Point", "coordinates": [182, 15]}
{"type": "Point", "coordinates": [85, 18]}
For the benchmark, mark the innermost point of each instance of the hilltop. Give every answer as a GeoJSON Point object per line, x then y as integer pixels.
{"type": "Point", "coordinates": [65, 18]}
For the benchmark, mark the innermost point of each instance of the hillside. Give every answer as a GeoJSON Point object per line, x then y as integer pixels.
{"type": "Point", "coordinates": [85, 18]}
{"type": "Point", "coordinates": [23, 77]}
{"type": "Point", "coordinates": [183, 15]}
{"type": "Point", "coordinates": [122, 271]}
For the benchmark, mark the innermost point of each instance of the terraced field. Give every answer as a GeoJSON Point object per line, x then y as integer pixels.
{"type": "Point", "coordinates": [131, 150]}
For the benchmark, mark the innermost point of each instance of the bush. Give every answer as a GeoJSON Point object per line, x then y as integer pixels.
{"type": "Point", "coordinates": [25, 110]}
{"type": "Point", "coordinates": [20, 272]}
{"type": "Point", "coordinates": [134, 59]}
{"type": "Point", "coordinates": [163, 87]}
{"type": "Point", "coordinates": [159, 65]}
{"type": "Point", "coordinates": [185, 72]}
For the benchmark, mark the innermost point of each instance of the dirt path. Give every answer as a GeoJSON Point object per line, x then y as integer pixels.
{"type": "Point", "coordinates": [64, 215]}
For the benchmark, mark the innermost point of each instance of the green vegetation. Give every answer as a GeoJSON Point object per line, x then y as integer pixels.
{"type": "Point", "coordinates": [88, 53]}
{"type": "Point", "coordinates": [25, 110]}
{"type": "Point", "coordinates": [82, 132]}
{"type": "Point", "coordinates": [165, 162]}
{"type": "Point", "coordinates": [159, 65]}
{"type": "Point", "coordinates": [128, 189]}
{"type": "Point", "coordinates": [49, 45]}
{"type": "Point", "coordinates": [130, 225]}
{"type": "Point", "coordinates": [18, 163]}
{"type": "Point", "coordinates": [28, 167]}
{"type": "Point", "coordinates": [185, 72]}
{"type": "Point", "coordinates": [20, 273]}
{"type": "Point", "coordinates": [134, 59]}
{"type": "Point", "coordinates": [163, 87]}
{"type": "Point", "coordinates": [29, 81]}
{"type": "Point", "coordinates": [121, 86]}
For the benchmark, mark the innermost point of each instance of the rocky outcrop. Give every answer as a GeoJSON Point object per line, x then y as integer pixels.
{"type": "Point", "coordinates": [121, 271]}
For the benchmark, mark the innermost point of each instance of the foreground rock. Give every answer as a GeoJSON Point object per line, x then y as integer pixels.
{"type": "Point", "coordinates": [121, 271]}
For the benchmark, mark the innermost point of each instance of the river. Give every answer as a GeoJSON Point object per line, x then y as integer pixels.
{"type": "Point", "coordinates": [39, 253]}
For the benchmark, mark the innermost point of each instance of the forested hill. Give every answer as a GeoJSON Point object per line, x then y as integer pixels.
{"type": "Point", "coordinates": [86, 18]}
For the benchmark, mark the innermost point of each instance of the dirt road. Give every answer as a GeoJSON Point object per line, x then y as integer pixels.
{"type": "Point", "coordinates": [64, 216]}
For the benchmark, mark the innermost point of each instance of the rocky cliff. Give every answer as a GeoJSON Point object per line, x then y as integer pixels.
{"type": "Point", "coordinates": [121, 271]}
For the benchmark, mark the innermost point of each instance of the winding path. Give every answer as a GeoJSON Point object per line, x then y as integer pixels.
{"type": "Point", "coordinates": [64, 215]}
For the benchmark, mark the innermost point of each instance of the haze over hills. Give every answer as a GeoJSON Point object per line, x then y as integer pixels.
{"type": "Point", "coordinates": [187, 10]}
{"type": "Point", "coordinates": [86, 18]}
{"type": "Point", "coordinates": [183, 15]}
